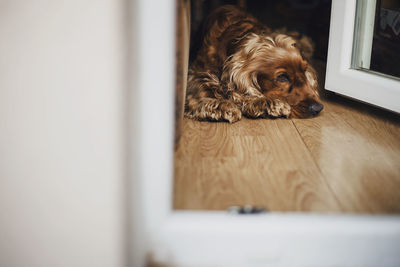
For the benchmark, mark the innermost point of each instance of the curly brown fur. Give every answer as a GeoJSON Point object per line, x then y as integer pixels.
{"type": "Point", "coordinates": [244, 68]}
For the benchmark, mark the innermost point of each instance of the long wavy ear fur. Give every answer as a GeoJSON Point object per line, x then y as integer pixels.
{"type": "Point", "coordinates": [303, 43]}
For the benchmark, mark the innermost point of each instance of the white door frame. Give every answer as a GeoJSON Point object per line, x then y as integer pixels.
{"type": "Point", "coordinates": [217, 238]}
{"type": "Point", "coordinates": [341, 78]}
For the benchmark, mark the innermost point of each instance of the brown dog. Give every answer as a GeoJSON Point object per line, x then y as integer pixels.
{"type": "Point", "coordinates": [245, 68]}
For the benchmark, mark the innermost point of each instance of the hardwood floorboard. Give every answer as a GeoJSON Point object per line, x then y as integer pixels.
{"type": "Point", "coordinates": [345, 160]}
{"type": "Point", "coordinates": [218, 165]}
{"type": "Point", "coordinates": [357, 149]}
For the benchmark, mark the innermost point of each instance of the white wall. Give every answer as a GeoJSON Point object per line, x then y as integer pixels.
{"type": "Point", "coordinates": [62, 94]}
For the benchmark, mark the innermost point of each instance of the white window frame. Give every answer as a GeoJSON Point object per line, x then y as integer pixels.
{"type": "Point", "coordinates": [364, 37]}
{"type": "Point", "coordinates": [362, 85]}
{"type": "Point", "coordinates": [188, 238]}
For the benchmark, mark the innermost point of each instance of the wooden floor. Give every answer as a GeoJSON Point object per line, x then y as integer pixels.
{"type": "Point", "coordinates": [345, 160]}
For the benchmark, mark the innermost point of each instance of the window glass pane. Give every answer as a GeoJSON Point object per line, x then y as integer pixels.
{"type": "Point", "coordinates": [377, 37]}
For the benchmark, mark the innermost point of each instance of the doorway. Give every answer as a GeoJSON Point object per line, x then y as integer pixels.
{"type": "Point", "coordinates": [346, 160]}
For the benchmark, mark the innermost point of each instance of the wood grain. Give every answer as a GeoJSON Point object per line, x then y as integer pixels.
{"type": "Point", "coordinates": [218, 165]}
{"type": "Point", "coordinates": [358, 152]}
{"type": "Point", "coordinates": [345, 160]}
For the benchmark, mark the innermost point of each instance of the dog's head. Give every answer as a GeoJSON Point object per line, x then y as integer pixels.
{"type": "Point", "coordinates": [286, 75]}
{"type": "Point", "coordinates": [278, 70]}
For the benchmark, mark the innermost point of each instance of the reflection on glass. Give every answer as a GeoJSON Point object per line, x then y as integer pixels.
{"type": "Point", "coordinates": [377, 37]}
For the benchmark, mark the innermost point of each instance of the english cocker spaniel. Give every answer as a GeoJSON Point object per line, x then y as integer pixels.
{"type": "Point", "coordinates": [245, 68]}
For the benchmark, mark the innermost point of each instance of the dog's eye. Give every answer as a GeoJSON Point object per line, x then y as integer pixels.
{"type": "Point", "coordinates": [283, 78]}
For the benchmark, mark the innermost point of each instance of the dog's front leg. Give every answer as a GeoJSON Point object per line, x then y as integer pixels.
{"type": "Point", "coordinates": [256, 107]}
{"type": "Point", "coordinates": [206, 99]}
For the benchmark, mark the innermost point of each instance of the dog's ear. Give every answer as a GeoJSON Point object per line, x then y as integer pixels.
{"type": "Point", "coordinates": [283, 40]}
{"type": "Point", "coordinates": [312, 78]}
{"type": "Point", "coordinates": [302, 42]}
{"type": "Point", "coordinates": [306, 47]}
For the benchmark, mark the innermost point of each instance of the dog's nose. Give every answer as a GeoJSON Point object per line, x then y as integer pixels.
{"type": "Point", "coordinates": [315, 108]}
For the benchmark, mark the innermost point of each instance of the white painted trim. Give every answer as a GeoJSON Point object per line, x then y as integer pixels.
{"type": "Point", "coordinates": [151, 107]}
{"type": "Point", "coordinates": [156, 58]}
{"type": "Point", "coordinates": [217, 238]}
{"type": "Point", "coordinates": [340, 78]}
{"type": "Point", "coordinates": [277, 239]}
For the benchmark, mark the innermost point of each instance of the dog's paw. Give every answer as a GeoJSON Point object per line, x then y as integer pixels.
{"type": "Point", "coordinates": [279, 108]}
{"type": "Point", "coordinates": [230, 112]}
{"type": "Point", "coordinates": [232, 115]}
